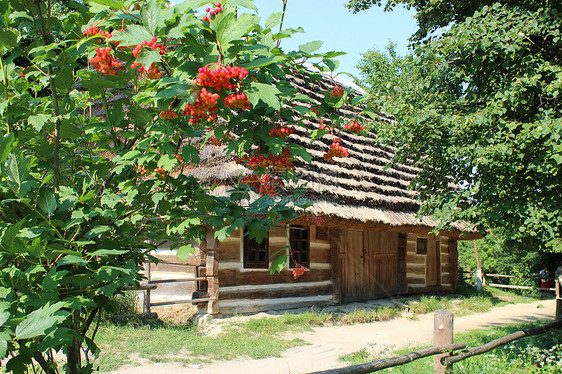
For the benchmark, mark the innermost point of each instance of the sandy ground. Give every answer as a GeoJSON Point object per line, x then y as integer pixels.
{"type": "Point", "coordinates": [327, 344]}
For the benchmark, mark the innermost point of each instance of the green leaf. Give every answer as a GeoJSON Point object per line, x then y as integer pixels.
{"type": "Point", "coordinates": [273, 20]}
{"type": "Point", "coordinates": [265, 92]}
{"type": "Point", "coordinates": [110, 3]}
{"type": "Point", "coordinates": [5, 146]}
{"type": "Point", "coordinates": [110, 200]}
{"type": "Point", "coordinates": [310, 47]}
{"type": "Point", "coordinates": [184, 251]}
{"type": "Point", "coordinates": [150, 16]}
{"type": "Point", "coordinates": [47, 201]}
{"type": "Point", "coordinates": [9, 38]}
{"type": "Point", "coordinates": [39, 321]}
{"type": "Point", "coordinates": [149, 56]}
{"type": "Point", "coordinates": [4, 337]}
{"type": "Point", "coordinates": [278, 264]}
{"type": "Point", "coordinates": [92, 81]}
{"type": "Point", "coordinates": [4, 314]}
{"type": "Point", "coordinates": [37, 121]}
{"type": "Point", "coordinates": [133, 35]}
{"type": "Point", "coordinates": [69, 131]}
{"type": "Point", "coordinates": [10, 234]}
{"type": "Point", "coordinates": [107, 252]}
{"type": "Point", "coordinates": [16, 168]}
{"type": "Point", "coordinates": [229, 29]}
{"type": "Point", "coordinates": [97, 231]}
{"type": "Point", "coordinates": [249, 4]}
{"type": "Point", "coordinates": [72, 260]}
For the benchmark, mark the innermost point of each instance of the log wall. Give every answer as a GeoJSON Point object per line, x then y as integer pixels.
{"type": "Point", "coordinates": [250, 290]}
{"type": "Point", "coordinates": [420, 269]}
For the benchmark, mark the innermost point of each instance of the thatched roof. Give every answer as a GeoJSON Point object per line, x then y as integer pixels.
{"type": "Point", "coordinates": [363, 190]}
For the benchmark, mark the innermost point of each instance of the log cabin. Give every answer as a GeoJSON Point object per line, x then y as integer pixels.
{"type": "Point", "coordinates": [370, 245]}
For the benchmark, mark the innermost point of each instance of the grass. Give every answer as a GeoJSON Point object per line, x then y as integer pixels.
{"type": "Point", "coordinates": [530, 355]}
{"type": "Point", "coordinates": [184, 344]}
{"type": "Point", "coordinates": [263, 337]}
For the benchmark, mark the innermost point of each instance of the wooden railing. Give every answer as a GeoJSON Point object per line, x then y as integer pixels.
{"type": "Point", "coordinates": [211, 278]}
{"type": "Point", "coordinates": [444, 356]}
{"type": "Point", "coordinates": [498, 285]}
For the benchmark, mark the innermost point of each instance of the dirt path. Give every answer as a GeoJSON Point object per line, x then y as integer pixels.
{"type": "Point", "coordinates": [327, 344]}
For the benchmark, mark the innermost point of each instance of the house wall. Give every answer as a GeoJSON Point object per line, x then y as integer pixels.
{"type": "Point", "coordinates": [250, 290]}
{"type": "Point", "coordinates": [418, 266]}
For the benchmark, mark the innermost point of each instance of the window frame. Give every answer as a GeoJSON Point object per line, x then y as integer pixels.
{"type": "Point", "coordinates": [251, 245]}
{"type": "Point", "coordinates": [296, 256]}
{"type": "Point", "coordinates": [422, 250]}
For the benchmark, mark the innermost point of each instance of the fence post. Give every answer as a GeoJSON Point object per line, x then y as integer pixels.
{"type": "Point", "coordinates": [558, 311]}
{"type": "Point", "coordinates": [146, 303]}
{"type": "Point", "coordinates": [442, 335]}
{"type": "Point", "coordinates": [212, 282]}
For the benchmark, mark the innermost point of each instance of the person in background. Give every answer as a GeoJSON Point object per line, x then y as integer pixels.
{"type": "Point", "coordinates": [544, 274]}
{"type": "Point", "coordinates": [558, 274]}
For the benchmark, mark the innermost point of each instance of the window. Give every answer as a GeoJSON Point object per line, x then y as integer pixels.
{"type": "Point", "coordinates": [422, 246]}
{"type": "Point", "coordinates": [256, 255]}
{"type": "Point", "coordinates": [300, 247]}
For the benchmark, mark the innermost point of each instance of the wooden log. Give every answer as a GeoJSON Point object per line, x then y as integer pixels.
{"type": "Point", "coordinates": [511, 276]}
{"type": "Point", "coordinates": [290, 291]}
{"type": "Point", "coordinates": [141, 287]}
{"type": "Point", "coordinates": [229, 251]}
{"type": "Point", "coordinates": [391, 362]}
{"type": "Point", "coordinates": [501, 341]}
{"type": "Point", "coordinates": [519, 287]}
{"type": "Point", "coordinates": [182, 301]}
{"type": "Point", "coordinates": [143, 316]}
{"type": "Point", "coordinates": [181, 280]}
{"type": "Point", "coordinates": [442, 336]}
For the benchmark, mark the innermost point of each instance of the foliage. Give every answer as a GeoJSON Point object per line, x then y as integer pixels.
{"type": "Point", "coordinates": [104, 105]}
{"type": "Point", "coordinates": [480, 113]}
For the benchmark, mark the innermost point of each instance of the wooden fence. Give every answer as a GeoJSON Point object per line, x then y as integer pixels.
{"type": "Point", "coordinates": [443, 352]}
{"type": "Point", "coordinates": [209, 263]}
{"type": "Point", "coordinates": [468, 275]}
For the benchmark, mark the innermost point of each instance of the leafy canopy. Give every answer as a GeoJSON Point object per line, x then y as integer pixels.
{"type": "Point", "coordinates": [479, 108]}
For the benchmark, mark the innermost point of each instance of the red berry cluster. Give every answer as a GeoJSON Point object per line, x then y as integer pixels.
{"type": "Point", "coordinates": [105, 63]}
{"type": "Point", "coordinates": [354, 126]}
{"type": "Point", "coordinates": [213, 140]}
{"type": "Point", "coordinates": [336, 92]}
{"type": "Point", "coordinates": [152, 73]}
{"type": "Point", "coordinates": [265, 185]}
{"type": "Point", "coordinates": [150, 44]}
{"type": "Point", "coordinates": [161, 172]}
{"type": "Point", "coordinates": [318, 219]}
{"type": "Point", "coordinates": [142, 170]}
{"type": "Point", "coordinates": [220, 77]}
{"type": "Point", "coordinates": [281, 132]}
{"type": "Point", "coordinates": [323, 126]}
{"type": "Point", "coordinates": [237, 101]}
{"type": "Point", "coordinates": [216, 9]}
{"type": "Point", "coordinates": [315, 109]}
{"type": "Point", "coordinates": [178, 157]}
{"type": "Point", "coordinates": [299, 270]}
{"type": "Point", "coordinates": [204, 107]}
{"type": "Point", "coordinates": [336, 150]}
{"type": "Point", "coordinates": [168, 114]}
{"type": "Point", "coordinates": [280, 162]}
{"type": "Point", "coordinates": [94, 30]}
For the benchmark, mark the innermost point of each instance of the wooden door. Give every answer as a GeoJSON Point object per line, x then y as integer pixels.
{"type": "Point", "coordinates": [355, 271]}
{"type": "Point", "coordinates": [370, 265]}
{"type": "Point", "coordinates": [433, 264]}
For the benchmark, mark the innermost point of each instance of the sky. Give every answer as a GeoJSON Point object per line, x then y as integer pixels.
{"type": "Point", "coordinates": [341, 30]}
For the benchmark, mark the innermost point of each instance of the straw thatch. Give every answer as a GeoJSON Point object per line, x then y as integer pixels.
{"type": "Point", "coordinates": [362, 190]}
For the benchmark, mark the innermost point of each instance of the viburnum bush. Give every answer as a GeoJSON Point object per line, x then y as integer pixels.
{"type": "Point", "coordinates": [102, 103]}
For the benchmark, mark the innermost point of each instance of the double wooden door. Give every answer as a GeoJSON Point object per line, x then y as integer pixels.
{"type": "Point", "coordinates": [369, 264]}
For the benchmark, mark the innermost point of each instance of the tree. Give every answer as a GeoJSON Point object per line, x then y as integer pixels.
{"type": "Point", "coordinates": [92, 158]}
{"type": "Point", "coordinates": [483, 116]}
